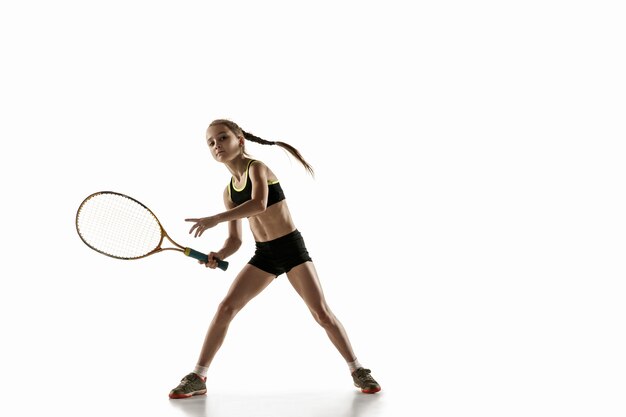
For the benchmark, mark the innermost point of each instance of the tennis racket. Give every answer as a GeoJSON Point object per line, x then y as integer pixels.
{"type": "Point", "coordinates": [121, 227]}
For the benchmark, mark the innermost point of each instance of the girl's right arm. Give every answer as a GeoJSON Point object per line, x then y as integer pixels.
{"type": "Point", "coordinates": [233, 241]}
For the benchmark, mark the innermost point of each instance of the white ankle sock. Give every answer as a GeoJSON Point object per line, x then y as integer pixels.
{"type": "Point", "coordinates": [354, 365]}
{"type": "Point", "coordinates": [201, 370]}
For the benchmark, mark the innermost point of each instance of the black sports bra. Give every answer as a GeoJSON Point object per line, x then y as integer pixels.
{"type": "Point", "coordinates": [241, 195]}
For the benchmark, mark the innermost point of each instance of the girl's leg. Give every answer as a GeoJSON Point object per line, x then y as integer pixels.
{"type": "Point", "coordinates": [305, 281]}
{"type": "Point", "coordinates": [249, 283]}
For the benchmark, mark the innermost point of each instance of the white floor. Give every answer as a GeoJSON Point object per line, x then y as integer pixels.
{"type": "Point", "coordinates": [312, 404]}
{"type": "Point", "coordinates": [321, 403]}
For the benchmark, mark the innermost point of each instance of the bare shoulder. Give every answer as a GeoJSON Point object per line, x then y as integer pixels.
{"type": "Point", "coordinates": [259, 169]}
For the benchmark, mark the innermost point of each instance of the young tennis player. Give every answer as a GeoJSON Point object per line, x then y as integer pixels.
{"type": "Point", "coordinates": [255, 193]}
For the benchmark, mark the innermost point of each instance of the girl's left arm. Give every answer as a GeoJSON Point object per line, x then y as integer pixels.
{"type": "Point", "coordinates": [257, 204]}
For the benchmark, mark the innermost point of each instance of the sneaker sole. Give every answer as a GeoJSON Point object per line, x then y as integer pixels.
{"type": "Point", "coordinates": [368, 391]}
{"type": "Point", "coordinates": [191, 394]}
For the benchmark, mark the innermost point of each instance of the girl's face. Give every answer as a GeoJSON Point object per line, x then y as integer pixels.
{"type": "Point", "coordinates": [223, 143]}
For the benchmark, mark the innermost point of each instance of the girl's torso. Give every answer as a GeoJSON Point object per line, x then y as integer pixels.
{"type": "Point", "coordinates": [276, 220]}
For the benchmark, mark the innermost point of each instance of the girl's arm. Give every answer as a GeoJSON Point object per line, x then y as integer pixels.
{"type": "Point", "coordinates": [234, 239]}
{"type": "Point", "coordinates": [257, 204]}
{"type": "Point", "coordinates": [257, 173]}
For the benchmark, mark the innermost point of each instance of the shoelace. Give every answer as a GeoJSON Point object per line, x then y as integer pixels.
{"type": "Point", "coordinates": [364, 375]}
{"type": "Point", "coordinates": [185, 381]}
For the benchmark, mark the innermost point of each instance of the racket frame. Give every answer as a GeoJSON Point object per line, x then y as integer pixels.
{"type": "Point", "coordinates": [159, 248]}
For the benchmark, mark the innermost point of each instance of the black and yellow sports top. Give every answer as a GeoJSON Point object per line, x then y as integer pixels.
{"type": "Point", "coordinates": [241, 195]}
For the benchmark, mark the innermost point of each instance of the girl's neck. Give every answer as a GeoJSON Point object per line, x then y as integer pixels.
{"type": "Point", "coordinates": [237, 166]}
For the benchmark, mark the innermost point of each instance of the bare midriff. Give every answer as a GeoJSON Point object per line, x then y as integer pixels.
{"type": "Point", "coordinates": [273, 223]}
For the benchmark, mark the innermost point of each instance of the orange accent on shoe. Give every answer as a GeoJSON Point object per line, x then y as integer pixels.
{"type": "Point", "coordinates": [370, 391]}
{"type": "Point", "coordinates": [179, 396]}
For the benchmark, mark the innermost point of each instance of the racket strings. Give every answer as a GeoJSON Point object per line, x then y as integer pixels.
{"type": "Point", "coordinates": [118, 226]}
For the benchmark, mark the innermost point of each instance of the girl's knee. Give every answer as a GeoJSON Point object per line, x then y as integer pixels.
{"type": "Point", "coordinates": [226, 311]}
{"type": "Point", "coordinates": [324, 316]}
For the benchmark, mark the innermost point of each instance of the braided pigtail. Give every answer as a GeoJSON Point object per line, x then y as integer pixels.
{"type": "Point", "coordinates": [293, 151]}
{"type": "Point", "coordinates": [249, 136]}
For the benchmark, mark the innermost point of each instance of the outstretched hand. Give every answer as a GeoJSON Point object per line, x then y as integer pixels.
{"type": "Point", "coordinates": [200, 225]}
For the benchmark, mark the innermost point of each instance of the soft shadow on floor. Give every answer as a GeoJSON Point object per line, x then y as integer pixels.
{"type": "Point", "coordinates": [320, 404]}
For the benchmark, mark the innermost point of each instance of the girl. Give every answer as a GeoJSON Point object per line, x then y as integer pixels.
{"type": "Point", "coordinates": [255, 193]}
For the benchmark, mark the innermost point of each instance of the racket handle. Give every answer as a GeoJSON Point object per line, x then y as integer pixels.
{"type": "Point", "coordinates": [223, 265]}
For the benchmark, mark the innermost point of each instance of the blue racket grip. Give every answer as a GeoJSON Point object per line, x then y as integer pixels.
{"type": "Point", "coordinates": [223, 265]}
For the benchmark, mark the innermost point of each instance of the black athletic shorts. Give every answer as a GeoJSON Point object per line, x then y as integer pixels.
{"type": "Point", "coordinates": [280, 255]}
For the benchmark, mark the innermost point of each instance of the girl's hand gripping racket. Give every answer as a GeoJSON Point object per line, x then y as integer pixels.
{"type": "Point", "coordinates": [121, 227]}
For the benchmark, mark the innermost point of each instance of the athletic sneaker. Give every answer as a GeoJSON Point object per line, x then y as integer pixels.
{"type": "Point", "coordinates": [363, 379]}
{"type": "Point", "coordinates": [190, 385]}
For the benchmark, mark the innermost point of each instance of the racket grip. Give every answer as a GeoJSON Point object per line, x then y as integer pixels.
{"type": "Point", "coordinates": [223, 265]}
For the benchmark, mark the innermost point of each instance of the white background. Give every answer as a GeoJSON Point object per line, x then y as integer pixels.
{"type": "Point", "coordinates": [467, 216]}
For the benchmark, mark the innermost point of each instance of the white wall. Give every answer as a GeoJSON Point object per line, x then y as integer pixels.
{"type": "Point", "coordinates": [469, 190]}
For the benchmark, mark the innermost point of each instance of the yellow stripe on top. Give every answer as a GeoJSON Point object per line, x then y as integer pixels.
{"type": "Point", "coordinates": [242, 194]}
{"type": "Point", "coordinates": [245, 181]}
